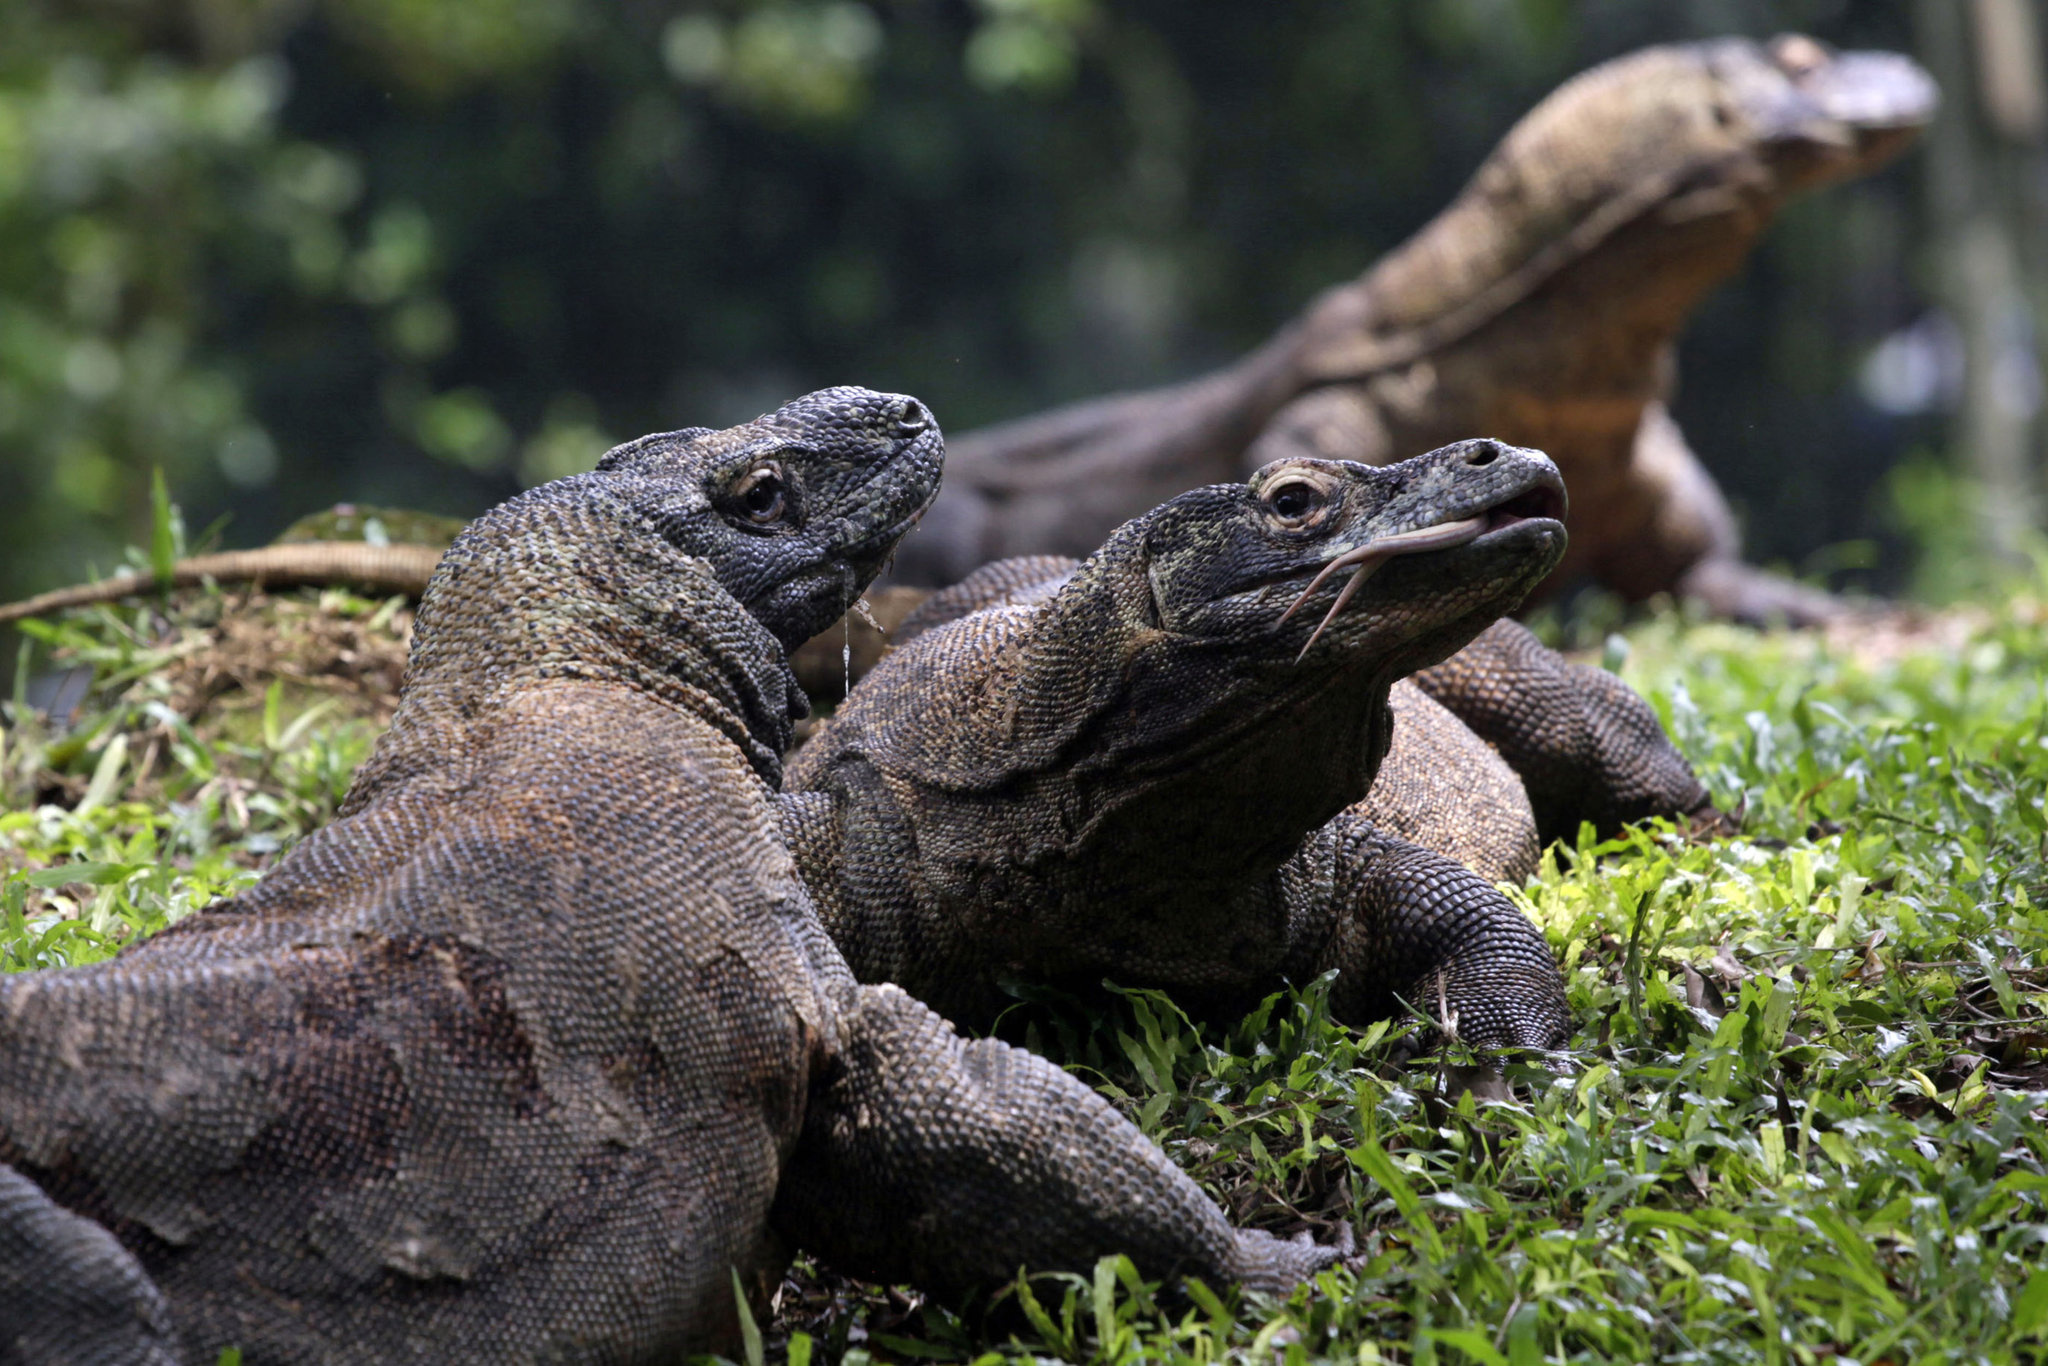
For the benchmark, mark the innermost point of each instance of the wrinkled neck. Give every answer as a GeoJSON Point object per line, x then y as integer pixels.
{"type": "Point", "coordinates": [1190, 755]}
{"type": "Point", "coordinates": [633, 612]}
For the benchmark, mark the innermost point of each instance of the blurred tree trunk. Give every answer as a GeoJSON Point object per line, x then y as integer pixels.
{"type": "Point", "coordinates": [1985, 182]}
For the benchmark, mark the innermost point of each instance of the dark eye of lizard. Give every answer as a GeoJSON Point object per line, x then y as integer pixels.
{"type": "Point", "coordinates": [1294, 501]}
{"type": "Point", "coordinates": [761, 494]}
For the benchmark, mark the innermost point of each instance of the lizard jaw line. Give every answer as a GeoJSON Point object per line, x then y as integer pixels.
{"type": "Point", "coordinates": [1364, 560]}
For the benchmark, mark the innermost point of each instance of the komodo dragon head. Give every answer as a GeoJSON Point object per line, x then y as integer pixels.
{"type": "Point", "coordinates": [797, 509]}
{"type": "Point", "coordinates": [1260, 625]}
{"type": "Point", "coordinates": [1819, 115]}
{"type": "Point", "coordinates": [617, 574]}
{"type": "Point", "coordinates": [1429, 552]}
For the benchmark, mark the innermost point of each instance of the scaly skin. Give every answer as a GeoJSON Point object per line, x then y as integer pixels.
{"type": "Point", "coordinates": [1496, 752]}
{"type": "Point", "coordinates": [1541, 306]}
{"type": "Point", "coordinates": [540, 1042]}
{"type": "Point", "coordinates": [1127, 771]}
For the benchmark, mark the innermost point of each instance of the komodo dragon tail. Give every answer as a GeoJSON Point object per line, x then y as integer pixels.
{"type": "Point", "coordinates": [377, 568]}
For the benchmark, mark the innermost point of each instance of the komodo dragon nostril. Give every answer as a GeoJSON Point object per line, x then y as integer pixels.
{"type": "Point", "coordinates": [1482, 453]}
{"type": "Point", "coordinates": [911, 418]}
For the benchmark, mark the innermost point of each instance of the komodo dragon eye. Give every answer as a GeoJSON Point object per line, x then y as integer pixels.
{"type": "Point", "coordinates": [1296, 501]}
{"type": "Point", "coordinates": [761, 494]}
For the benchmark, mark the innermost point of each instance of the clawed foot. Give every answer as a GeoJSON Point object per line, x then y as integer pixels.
{"type": "Point", "coordinates": [1277, 1265]}
{"type": "Point", "coordinates": [1707, 822]}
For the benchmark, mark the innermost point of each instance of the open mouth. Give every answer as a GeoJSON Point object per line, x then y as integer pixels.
{"type": "Point", "coordinates": [1537, 501]}
{"type": "Point", "coordinates": [1540, 501]}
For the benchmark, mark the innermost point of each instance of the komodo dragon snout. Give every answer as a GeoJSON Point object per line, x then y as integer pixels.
{"type": "Point", "coordinates": [1819, 115]}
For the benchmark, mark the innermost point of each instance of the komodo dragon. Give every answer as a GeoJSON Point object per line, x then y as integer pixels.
{"type": "Point", "coordinates": [539, 1048]}
{"type": "Point", "coordinates": [1142, 767]}
{"type": "Point", "coordinates": [1540, 307]}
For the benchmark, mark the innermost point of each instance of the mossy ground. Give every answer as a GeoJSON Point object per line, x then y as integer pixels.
{"type": "Point", "coordinates": [1800, 1120]}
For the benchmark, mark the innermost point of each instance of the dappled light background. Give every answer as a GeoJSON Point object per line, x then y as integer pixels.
{"type": "Point", "coordinates": [425, 252]}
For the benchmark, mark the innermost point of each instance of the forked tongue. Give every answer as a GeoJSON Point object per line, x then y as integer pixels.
{"type": "Point", "coordinates": [1371, 556]}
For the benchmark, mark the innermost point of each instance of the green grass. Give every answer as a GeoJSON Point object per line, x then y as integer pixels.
{"type": "Point", "coordinates": [1800, 1120]}
{"type": "Point", "coordinates": [205, 747]}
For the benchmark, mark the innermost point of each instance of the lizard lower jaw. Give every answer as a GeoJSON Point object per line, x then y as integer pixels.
{"type": "Point", "coordinates": [1540, 504]}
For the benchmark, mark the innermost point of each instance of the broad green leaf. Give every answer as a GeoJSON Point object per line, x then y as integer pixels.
{"type": "Point", "coordinates": [89, 874]}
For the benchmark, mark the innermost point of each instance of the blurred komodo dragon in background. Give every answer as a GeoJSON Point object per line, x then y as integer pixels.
{"type": "Point", "coordinates": [1541, 308]}
{"type": "Point", "coordinates": [1149, 766]}
{"type": "Point", "coordinates": [539, 1049]}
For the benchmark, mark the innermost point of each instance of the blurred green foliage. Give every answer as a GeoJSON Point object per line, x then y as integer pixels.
{"type": "Point", "coordinates": [420, 252]}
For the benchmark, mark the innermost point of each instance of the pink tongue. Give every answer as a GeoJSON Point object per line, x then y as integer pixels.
{"type": "Point", "coordinates": [1372, 555]}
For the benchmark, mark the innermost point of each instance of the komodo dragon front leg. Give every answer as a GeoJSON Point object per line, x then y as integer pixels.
{"type": "Point", "coordinates": [949, 1163]}
{"type": "Point", "coordinates": [95, 1303]}
{"type": "Point", "coordinates": [1411, 931]}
